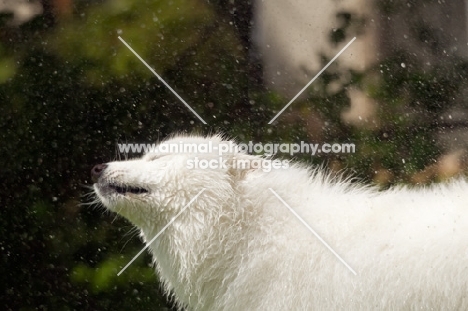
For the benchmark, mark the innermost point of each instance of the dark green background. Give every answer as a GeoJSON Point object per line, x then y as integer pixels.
{"type": "Point", "coordinates": [70, 91]}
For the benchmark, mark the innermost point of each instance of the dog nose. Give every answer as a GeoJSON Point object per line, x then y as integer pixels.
{"type": "Point", "coordinates": [96, 171]}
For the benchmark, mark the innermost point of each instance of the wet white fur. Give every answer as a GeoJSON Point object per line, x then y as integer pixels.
{"type": "Point", "coordinates": [237, 247]}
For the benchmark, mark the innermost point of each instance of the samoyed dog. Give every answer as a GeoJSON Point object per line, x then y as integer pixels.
{"type": "Point", "coordinates": [236, 240]}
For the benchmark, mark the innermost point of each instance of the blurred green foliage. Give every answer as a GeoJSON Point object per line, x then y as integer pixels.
{"type": "Point", "coordinates": [70, 90]}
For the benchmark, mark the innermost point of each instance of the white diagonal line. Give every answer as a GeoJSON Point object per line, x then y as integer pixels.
{"type": "Point", "coordinates": [316, 76]}
{"type": "Point", "coordinates": [161, 79]}
{"type": "Point", "coordinates": [314, 233]}
{"type": "Point", "coordinates": [162, 230]}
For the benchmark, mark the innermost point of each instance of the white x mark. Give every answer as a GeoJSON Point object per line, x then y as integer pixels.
{"type": "Point", "coordinates": [313, 232]}
{"type": "Point", "coordinates": [159, 233]}
{"type": "Point", "coordinates": [313, 79]}
{"type": "Point", "coordinates": [161, 79]}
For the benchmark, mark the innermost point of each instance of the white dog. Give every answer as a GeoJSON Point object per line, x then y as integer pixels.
{"type": "Point", "coordinates": [237, 246]}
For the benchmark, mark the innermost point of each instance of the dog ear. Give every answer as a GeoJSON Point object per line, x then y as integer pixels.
{"type": "Point", "coordinates": [242, 165]}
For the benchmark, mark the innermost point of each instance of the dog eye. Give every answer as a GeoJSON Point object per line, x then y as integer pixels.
{"type": "Point", "coordinates": [156, 156]}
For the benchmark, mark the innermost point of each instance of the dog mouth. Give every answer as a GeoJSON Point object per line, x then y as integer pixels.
{"type": "Point", "coordinates": [124, 189]}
